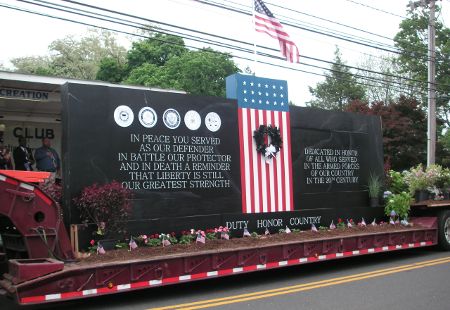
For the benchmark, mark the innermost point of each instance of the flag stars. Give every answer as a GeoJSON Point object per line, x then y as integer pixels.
{"type": "Point", "coordinates": [274, 87]}
{"type": "Point", "coordinates": [274, 103]}
{"type": "Point", "coordinates": [244, 83]}
{"type": "Point", "coordinates": [282, 103]}
{"type": "Point", "coordinates": [252, 92]}
{"type": "Point", "coordinates": [245, 99]}
{"type": "Point", "coordinates": [251, 84]}
{"type": "Point", "coordinates": [281, 95]}
{"type": "Point", "coordinates": [267, 94]}
{"type": "Point", "coordinates": [260, 101]}
{"type": "Point", "coordinates": [259, 93]}
{"type": "Point", "coordinates": [253, 100]}
{"type": "Point", "coordinates": [267, 101]}
{"type": "Point", "coordinates": [245, 91]}
{"type": "Point", "coordinates": [281, 87]}
{"type": "Point", "coordinates": [259, 84]}
{"type": "Point", "coordinates": [266, 86]}
{"type": "Point", "coordinates": [274, 94]}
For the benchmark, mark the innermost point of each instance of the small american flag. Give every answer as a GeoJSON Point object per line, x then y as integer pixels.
{"type": "Point", "coordinates": [246, 233]}
{"type": "Point", "coordinates": [363, 223]}
{"type": "Point", "coordinates": [100, 249]}
{"type": "Point", "coordinates": [266, 22]}
{"type": "Point", "coordinates": [313, 228]}
{"type": "Point", "coordinates": [332, 226]}
{"type": "Point", "coordinates": [132, 244]}
{"type": "Point", "coordinates": [266, 186]}
{"type": "Point", "coordinates": [200, 238]}
{"type": "Point", "coordinates": [287, 230]}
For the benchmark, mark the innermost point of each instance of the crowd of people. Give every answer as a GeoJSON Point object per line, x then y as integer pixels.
{"type": "Point", "coordinates": [45, 158]}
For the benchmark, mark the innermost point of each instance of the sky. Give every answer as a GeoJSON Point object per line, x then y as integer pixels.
{"type": "Point", "coordinates": [24, 34]}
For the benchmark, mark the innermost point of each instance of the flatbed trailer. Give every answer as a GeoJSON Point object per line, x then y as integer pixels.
{"type": "Point", "coordinates": [41, 279]}
{"type": "Point", "coordinates": [319, 172]}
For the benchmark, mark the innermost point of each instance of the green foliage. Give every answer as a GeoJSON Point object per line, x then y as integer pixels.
{"type": "Point", "coordinates": [339, 88]}
{"type": "Point", "coordinates": [341, 224]}
{"type": "Point", "coordinates": [404, 130]}
{"type": "Point", "coordinates": [74, 58]}
{"type": "Point", "coordinates": [396, 182]}
{"type": "Point", "coordinates": [400, 203]}
{"type": "Point", "coordinates": [197, 72]}
{"type": "Point", "coordinates": [156, 50]}
{"type": "Point", "coordinates": [254, 234]}
{"type": "Point", "coordinates": [412, 40]}
{"type": "Point", "coordinates": [374, 184]}
{"type": "Point", "coordinates": [187, 239]}
{"type": "Point", "coordinates": [110, 70]}
{"type": "Point", "coordinates": [154, 242]}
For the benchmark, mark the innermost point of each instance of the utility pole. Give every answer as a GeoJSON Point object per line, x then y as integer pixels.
{"type": "Point", "coordinates": [431, 135]}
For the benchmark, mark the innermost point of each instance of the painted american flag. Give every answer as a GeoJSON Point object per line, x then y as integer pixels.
{"type": "Point", "coordinates": [266, 185]}
{"type": "Point", "coordinates": [266, 22]}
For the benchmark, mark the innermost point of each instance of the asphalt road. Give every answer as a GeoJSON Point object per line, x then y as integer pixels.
{"type": "Point", "coordinates": [411, 279]}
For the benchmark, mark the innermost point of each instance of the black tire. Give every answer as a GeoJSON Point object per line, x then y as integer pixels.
{"type": "Point", "coordinates": [444, 230]}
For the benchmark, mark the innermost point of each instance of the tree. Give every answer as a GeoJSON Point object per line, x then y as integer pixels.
{"type": "Point", "coordinates": [34, 65]}
{"type": "Point", "coordinates": [110, 70]}
{"type": "Point", "coordinates": [75, 58]}
{"type": "Point", "coordinates": [412, 40]}
{"type": "Point", "coordinates": [339, 88]}
{"type": "Point", "coordinates": [200, 72]}
{"type": "Point", "coordinates": [404, 130]}
{"type": "Point", "coordinates": [384, 86]}
{"type": "Point", "coordinates": [157, 50]}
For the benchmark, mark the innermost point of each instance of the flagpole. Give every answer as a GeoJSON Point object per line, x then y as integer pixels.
{"type": "Point", "coordinates": [254, 38]}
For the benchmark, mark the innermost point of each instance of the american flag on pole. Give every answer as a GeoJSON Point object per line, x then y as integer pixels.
{"type": "Point", "coordinates": [266, 22]}
{"type": "Point", "coordinates": [266, 185]}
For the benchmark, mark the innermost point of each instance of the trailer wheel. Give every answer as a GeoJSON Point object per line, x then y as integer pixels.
{"type": "Point", "coordinates": [444, 230]}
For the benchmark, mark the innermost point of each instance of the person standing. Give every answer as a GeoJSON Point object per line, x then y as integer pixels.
{"type": "Point", "coordinates": [23, 157]}
{"type": "Point", "coordinates": [5, 157]}
{"type": "Point", "coordinates": [47, 158]}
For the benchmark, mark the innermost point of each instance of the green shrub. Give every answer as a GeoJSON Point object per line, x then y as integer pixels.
{"type": "Point", "coordinates": [400, 203]}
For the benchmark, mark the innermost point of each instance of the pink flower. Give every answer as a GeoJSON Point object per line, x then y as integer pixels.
{"type": "Point", "coordinates": [92, 242]}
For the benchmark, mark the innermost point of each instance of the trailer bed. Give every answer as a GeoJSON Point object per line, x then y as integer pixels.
{"type": "Point", "coordinates": [93, 278]}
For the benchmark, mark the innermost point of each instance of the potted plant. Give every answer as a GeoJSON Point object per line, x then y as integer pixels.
{"type": "Point", "coordinates": [419, 181]}
{"type": "Point", "coordinates": [108, 207]}
{"type": "Point", "coordinates": [443, 183]}
{"type": "Point", "coordinates": [400, 204]}
{"type": "Point", "coordinates": [374, 187]}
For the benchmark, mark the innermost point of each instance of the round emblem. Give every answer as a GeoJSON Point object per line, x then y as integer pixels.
{"type": "Point", "coordinates": [213, 121]}
{"type": "Point", "coordinates": [147, 117]}
{"type": "Point", "coordinates": [192, 120]}
{"type": "Point", "coordinates": [171, 118]}
{"type": "Point", "coordinates": [123, 116]}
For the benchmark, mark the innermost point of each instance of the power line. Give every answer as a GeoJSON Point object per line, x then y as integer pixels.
{"type": "Point", "coordinates": [376, 9]}
{"type": "Point", "coordinates": [330, 21]}
{"type": "Point", "coordinates": [234, 40]}
{"type": "Point", "coordinates": [216, 43]}
{"type": "Point", "coordinates": [406, 53]}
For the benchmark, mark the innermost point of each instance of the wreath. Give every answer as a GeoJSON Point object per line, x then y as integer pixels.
{"type": "Point", "coordinates": [268, 148]}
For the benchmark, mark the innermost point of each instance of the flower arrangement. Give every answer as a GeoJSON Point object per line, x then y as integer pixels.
{"type": "Point", "coordinates": [418, 179]}
{"type": "Point", "coordinates": [398, 203]}
{"type": "Point", "coordinates": [200, 236]}
{"type": "Point", "coordinates": [105, 205]}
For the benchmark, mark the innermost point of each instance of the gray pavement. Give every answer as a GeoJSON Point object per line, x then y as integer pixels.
{"type": "Point", "coordinates": [423, 288]}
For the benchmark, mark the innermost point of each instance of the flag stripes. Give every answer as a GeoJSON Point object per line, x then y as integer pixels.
{"type": "Point", "coordinates": [266, 23]}
{"type": "Point", "coordinates": [266, 186]}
